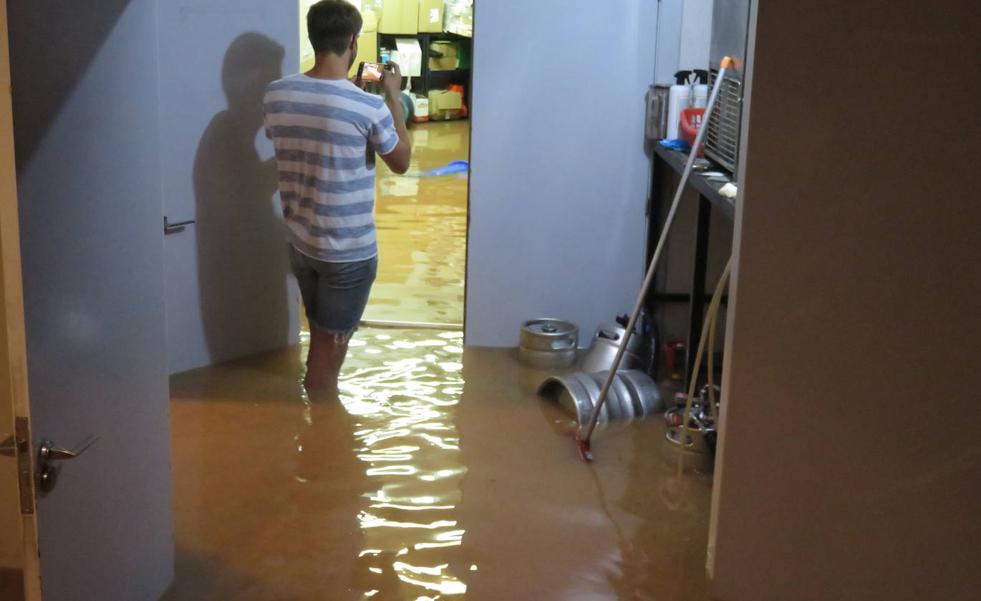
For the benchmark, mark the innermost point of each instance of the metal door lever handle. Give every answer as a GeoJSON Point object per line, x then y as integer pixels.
{"type": "Point", "coordinates": [173, 228]}
{"type": "Point", "coordinates": [47, 471]}
{"type": "Point", "coordinates": [49, 452]}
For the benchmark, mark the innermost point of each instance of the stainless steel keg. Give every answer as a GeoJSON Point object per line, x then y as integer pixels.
{"type": "Point", "coordinates": [548, 343]}
{"type": "Point", "coordinates": [604, 347]}
{"type": "Point", "coordinates": [633, 394]}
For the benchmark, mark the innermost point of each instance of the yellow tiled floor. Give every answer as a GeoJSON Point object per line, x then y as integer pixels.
{"type": "Point", "coordinates": [422, 232]}
{"type": "Point", "coordinates": [439, 475]}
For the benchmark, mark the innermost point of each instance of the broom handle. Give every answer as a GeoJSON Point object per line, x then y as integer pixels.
{"type": "Point", "coordinates": [587, 432]}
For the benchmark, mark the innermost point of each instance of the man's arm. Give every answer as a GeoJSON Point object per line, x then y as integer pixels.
{"type": "Point", "coordinates": [397, 160]}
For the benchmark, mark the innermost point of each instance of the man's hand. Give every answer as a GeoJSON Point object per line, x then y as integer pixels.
{"type": "Point", "coordinates": [398, 159]}
{"type": "Point", "coordinates": [392, 80]}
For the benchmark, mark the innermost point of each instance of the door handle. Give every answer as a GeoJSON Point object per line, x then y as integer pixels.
{"type": "Point", "coordinates": [173, 228]}
{"type": "Point", "coordinates": [47, 470]}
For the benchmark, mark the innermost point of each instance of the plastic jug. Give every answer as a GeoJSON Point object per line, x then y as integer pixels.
{"type": "Point", "coordinates": [678, 99]}
{"type": "Point", "coordinates": [700, 89]}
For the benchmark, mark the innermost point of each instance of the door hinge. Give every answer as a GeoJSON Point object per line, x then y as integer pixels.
{"type": "Point", "coordinates": [25, 477]}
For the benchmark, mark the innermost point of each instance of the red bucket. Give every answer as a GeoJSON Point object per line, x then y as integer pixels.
{"type": "Point", "coordinates": [691, 120]}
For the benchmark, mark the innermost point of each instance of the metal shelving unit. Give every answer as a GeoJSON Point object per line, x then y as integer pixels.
{"type": "Point", "coordinates": [432, 80]}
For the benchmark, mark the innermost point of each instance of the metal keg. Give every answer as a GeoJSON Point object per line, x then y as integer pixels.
{"type": "Point", "coordinates": [694, 454]}
{"type": "Point", "coordinates": [548, 343]}
{"type": "Point", "coordinates": [606, 343]}
{"type": "Point", "coordinates": [633, 394]}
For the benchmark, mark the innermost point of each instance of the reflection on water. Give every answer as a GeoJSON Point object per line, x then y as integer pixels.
{"type": "Point", "coordinates": [422, 232]}
{"type": "Point", "coordinates": [439, 475]}
{"type": "Point", "coordinates": [403, 393]}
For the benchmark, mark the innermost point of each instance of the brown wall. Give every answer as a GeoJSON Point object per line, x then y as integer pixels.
{"type": "Point", "coordinates": [850, 463]}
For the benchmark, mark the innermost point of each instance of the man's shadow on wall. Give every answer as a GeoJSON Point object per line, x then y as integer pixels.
{"type": "Point", "coordinates": [242, 262]}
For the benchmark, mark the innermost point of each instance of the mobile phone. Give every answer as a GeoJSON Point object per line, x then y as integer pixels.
{"type": "Point", "coordinates": [370, 71]}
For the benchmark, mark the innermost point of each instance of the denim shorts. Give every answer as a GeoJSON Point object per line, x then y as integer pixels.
{"type": "Point", "coordinates": [334, 294]}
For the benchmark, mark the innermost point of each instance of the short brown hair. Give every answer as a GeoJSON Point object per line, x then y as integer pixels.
{"type": "Point", "coordinates": [330, 25]}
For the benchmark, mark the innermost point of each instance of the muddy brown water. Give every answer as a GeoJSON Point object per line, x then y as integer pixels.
{"type": "Point", "coordinates": [438, 475]}
{"type": "Point", "coordinates": [422, 231]}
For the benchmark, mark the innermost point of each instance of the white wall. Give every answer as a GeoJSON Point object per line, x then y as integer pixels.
{"type": "Point", "coordinates": [684, 37]}
{"type": "Point", "coordinates": [306, 48]}
{"type": "Point", "coordinates": [228, 292]}
{"type": "Point", "coordinates": [696, 34]}
{"type": "Point", "coordinates": [849, 463]}
{"type": "Point", "coordinates": [559, 181]}
{"type": "Point", "coordinates": [667, 39]}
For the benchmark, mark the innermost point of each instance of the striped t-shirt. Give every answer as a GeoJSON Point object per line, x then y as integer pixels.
{"type": "Point", "coordinates": [325, 133]}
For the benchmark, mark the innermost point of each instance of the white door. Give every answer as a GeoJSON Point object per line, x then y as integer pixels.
{"type": "Point", "coordinates": [228, 288]}
{"type": "Point", "coordinates": [87, 136]}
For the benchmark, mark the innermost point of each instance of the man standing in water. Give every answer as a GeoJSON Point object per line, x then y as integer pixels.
{"type": "Point", "coordinates": [326, 130]}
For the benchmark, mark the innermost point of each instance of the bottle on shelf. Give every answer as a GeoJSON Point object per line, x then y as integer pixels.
{"type": "Point", "coordinates": [700, 89]}
{"type": "Point", "coordinates": [678, 99]}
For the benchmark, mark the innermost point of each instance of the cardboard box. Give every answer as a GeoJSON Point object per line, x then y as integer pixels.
{"type": "Point", "coordinates": [444, 56]}
{"type": "Point", "coordinates": [399, 16]}
{"type": "Point", "coordinates": [431, 16]}
{"type": "Point", "coordinates": [370, 21]}
{"type": "Point", "coordinates": [444, 104]}
{"type": "Point", "coordinates": [367, 50]}
{"type": "Point", "coordinates": [458, 17]}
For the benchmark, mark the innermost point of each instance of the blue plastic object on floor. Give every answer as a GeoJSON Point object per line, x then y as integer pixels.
{"type": "Point", "coordinates": [449, 169]}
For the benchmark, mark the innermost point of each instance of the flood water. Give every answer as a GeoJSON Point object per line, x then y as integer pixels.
{"type": "Point", "coordinates": [422, 231]}
{"type": "Point", "coordinates": [438, 475]}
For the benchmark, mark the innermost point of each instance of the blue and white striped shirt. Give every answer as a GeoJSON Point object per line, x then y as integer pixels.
{"type": "Point", "coordinates": [325, 132]}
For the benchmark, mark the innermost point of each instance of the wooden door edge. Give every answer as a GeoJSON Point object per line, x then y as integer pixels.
{"type": "Point", "coordinates": [12, 320]}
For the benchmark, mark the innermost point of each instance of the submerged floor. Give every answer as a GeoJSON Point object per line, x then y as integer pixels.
{"type": "Point", "coordinates": [422, 231]}
{"type": "Point", "coordinates": [439, 476]}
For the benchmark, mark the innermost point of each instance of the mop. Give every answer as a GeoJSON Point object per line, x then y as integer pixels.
{"type": "Point", "coordinates": [584, 434]}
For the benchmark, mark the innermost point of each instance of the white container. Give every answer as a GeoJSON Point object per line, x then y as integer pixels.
{"type": "Point", "coordinates": [422, 108]}
{"type": "Point", "coordinates": [701, 96]}
{"type": "Point", "coordinates": [678, 98]}
{"type": "Point", "coordinates": [409, 57]}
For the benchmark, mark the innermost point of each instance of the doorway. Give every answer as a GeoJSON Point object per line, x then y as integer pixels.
{"type": "Point", "coordinates": [421, 216]}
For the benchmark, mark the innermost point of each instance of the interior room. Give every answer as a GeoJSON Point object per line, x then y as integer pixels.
{"type": "Point", "coordinates": [421, 215]}
{"type": "Point", "coordinates": [661, 312]}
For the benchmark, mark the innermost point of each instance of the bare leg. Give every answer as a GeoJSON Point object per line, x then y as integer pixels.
{"type": "Point", "coordinates": [324, 361]}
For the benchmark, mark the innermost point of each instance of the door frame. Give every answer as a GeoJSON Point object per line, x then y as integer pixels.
{"type": "Point", "coordinates": [13, 337]}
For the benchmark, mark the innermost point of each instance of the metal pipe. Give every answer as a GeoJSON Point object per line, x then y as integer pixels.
{"type": "Point", "coordinates": [584, 434]}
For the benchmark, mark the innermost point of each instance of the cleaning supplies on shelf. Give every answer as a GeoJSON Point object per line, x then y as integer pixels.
{"type": "Point", "coordinates": [678, 99]}
{"type": "Point", "coordinates": [699, 89]}
{"type": "Point", "coordinates": [584, 434]}
{"type": "Point", "coordinates": [691, 121]}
